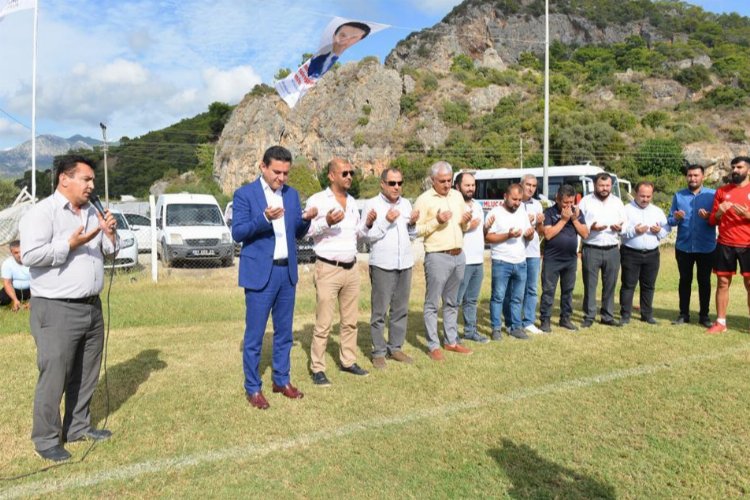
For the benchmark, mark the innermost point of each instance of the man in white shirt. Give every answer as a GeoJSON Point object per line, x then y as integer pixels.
{"type": "Point", "coordinates": [471, 286]}
{"type": "Point", "coordinates": [16, 279]}
{"type": "Point", "coordinates": [508, 230]}
{"type": "Point", "coordinates": [646, 226]}
{"type": "Point", "coordinates": [533, 257]}
{"type": "Point", "coordinates": [605, 217]}
{"type": "Point", "coordinates": [334, 231]}
{"type": "Point", "coordinates": [391, 262]}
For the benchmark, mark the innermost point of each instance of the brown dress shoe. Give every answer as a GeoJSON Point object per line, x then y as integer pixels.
{"type": "Point", "coordinates": [437, 355]}
{"type": "Point", "coordinates": [458, 348]}
{"type": "Point", "coordinates": [378, 362]}
{"type": "Point", "coordinates": [289, 391]}
{"type": "Point", "coordinates": [258, 400]}
{"type": "Point", "coordinates": [401, 357]}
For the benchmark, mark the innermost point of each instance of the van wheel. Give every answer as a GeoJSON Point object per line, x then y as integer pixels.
{"type": "Point", "coordinates": [165, 256]}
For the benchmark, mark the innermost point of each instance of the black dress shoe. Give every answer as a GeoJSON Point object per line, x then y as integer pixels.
{"type": "Point", "coordinates": [706, 322]}
{"type": "Point", "coordinates": [93, 435]}
{"type": "Point", "coordinates": [320, 379]}
{"type": "Point", "coordinates": [56, 454]}
{"type": "Point", "coordinates": [650, 321]}
{"type": "Point", "coordinates": [586, 323]}
{"type": "Point", "coordinates": [681, 320]}
{"type": "Point", "coordinates": [624, 320]}
{"type": "Point", "coordinates": [568, 325]}
{"type": "Point", "coordinates": [611, 322]}
{"type": "Point", "coordinates": [354, 369]}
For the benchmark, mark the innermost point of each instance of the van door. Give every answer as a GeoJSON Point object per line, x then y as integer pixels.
{"type": "Point", "coordinates": [588, 185]}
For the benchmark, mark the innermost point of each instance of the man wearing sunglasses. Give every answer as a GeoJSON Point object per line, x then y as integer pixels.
{"type": "Point", "coordinates": [391, 262]}
{"type": "Point", "coordinates": [335, 231]}
{"type": "Point", "coordinates": [442, 221]}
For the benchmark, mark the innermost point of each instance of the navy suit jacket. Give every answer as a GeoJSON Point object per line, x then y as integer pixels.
{"type": "Point", "coordinates": [250, 227]}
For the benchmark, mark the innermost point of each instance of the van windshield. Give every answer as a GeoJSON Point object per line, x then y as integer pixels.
{"type": "Point", "coordinates": [193, 214]}
{"type": "Point", "coordinates": [494, 189]}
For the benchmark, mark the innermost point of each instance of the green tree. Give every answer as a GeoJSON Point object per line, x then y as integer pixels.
{"type": "Point", "coordinates": [282, 73]}
{"type": "Point", "coordinates": [219, 114]}
{"type": "Point", "coordinates": [659, 157]}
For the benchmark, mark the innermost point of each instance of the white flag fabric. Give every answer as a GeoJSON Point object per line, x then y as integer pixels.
{"type": "Point", "coordinates": [11, 6]}
{"type": "Point", "coordinates": [339, 35]}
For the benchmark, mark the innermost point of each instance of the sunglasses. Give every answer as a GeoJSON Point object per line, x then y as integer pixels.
{"type": "Point", "coordinates": [394, 183]}
{"type": "Point", "coordinates": [347, 173]}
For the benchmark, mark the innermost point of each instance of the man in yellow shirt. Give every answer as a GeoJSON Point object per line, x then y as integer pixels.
{"type": "Point", "coordinates": [443, 219]}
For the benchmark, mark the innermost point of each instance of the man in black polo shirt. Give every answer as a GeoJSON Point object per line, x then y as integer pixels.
{"type": "Point", "coordinates": [563, 223]}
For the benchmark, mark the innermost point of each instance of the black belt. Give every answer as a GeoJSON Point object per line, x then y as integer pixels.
{"type": "Point", "coordinates": [635, 250]}
{"type": "Point", "coordinates": [281, 262]}
{"type": "Point", "coordinates": [81, 300]}
{"type": "Point", "coordinates": [608, 247]}
{"type": "Point", "coordinates": [343, 265]}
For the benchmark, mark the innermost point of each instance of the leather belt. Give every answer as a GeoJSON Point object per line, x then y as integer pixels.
{"type": "Point", "coordinates": [636, 250]}
{"type": "Point", "coordinates": [90, 300]}
{"type": "Point", "coordinates": [343, 265]}
{"type": "Point", "coordinates": [452, 251]}
{"type": "Point", "coordinates": [608, 247]}
{"type": "Point", "coordinates": [281, 262]}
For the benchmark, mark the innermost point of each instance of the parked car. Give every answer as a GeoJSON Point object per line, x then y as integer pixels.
{"type": "Point", "coordinates": [127, 256]}
{"type": "Point", "coordinates": [141, 226]}
{"type": "Point", "coordinates": [191, 227]}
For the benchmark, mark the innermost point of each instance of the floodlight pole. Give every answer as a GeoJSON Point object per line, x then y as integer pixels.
{"type": "Point", "coordinates": [106, 178]}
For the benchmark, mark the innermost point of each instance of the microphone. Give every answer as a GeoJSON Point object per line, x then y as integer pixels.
{"type": "Point", "coordinates": [94, 199]}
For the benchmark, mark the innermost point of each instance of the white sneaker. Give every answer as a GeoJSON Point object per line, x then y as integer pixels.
{"type": "Point", "coordinates": [533, 329]}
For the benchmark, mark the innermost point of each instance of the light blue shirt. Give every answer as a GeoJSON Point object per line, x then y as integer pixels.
{"type": "Point", "coordinates": [649, 216]}
{"type": "Point", "coordinates": [694, 233]}
{"type": "Point", "coordinates": [18, 274]}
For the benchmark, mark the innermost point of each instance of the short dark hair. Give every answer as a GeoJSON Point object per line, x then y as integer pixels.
{"type": "Point", "coordinates": [460, 178]}
{"type": "Point", "coordinates": [602, 176]}
{"type": "Point", "coordinates": [740, 159]}
{"type": "Point", "coordinates": [644, 183]}
{"type": "Point", "coordinates": [66, 164]}
{"type": "Point", "coordinates": [695, 166]}
{"type": "Point", "coordinates": [514, 187]}
{"type": "Point", "coordinates": [278, 153]}
{"type": "Point", "coordinates": [384, 173]}
{"type": "Point", "coordinates": [14, 244]}
{"type": "Point", "coordinates": [354, 24]}
{"type": "Point", "coordinates": [565, 190]}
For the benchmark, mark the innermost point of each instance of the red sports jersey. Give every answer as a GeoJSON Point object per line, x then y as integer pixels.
{"type": "Point", "coordinates": [734, 229]}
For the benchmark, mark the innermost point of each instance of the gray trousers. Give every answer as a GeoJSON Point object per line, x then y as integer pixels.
{"type": "Point", "coordinates": [390, 289]}
{"type": "Point", "coordinates": [69, 340]}
{"type": "Point", "coordinates": [608, 261]}
{"type": "Point", "coordinates": [443, 274]}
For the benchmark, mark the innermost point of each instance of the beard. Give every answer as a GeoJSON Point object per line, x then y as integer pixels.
{"type": "Point", "coordinates": [738, 178]}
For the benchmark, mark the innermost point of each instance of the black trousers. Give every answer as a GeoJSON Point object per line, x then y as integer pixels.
{"type": "Point", "coordinates": [20, 295]}
{"type": "Point", "coordinates": [638, 268]}
{"type": "Point", "coordinates": [593, 260]}
{"type": "Point", "coordinates": [553, 270]}
{"type": "Point", "coordinates": [685, 263]}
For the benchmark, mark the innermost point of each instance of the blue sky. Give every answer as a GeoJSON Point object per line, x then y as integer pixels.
{"type": "Point", "coordinates": [140, 65]}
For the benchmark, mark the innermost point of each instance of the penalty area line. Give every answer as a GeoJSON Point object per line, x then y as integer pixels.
{"type": "Point", "coordinates": [132, 471]}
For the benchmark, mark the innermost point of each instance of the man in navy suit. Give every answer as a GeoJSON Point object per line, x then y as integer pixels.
{"type": "Point", "coordinates": [267, 220]}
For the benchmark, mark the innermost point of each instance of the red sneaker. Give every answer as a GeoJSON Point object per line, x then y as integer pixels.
{"type": "Point", "coordinates": [716, 329]}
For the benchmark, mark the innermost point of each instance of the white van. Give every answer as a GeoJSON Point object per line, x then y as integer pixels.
{"type": "Point", "coordinates": [492, 183]}
{"type": "Point", "coordinates": [191, 227]}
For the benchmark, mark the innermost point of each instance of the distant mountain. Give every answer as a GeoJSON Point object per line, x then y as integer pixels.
{"type": "Point", "coordinates": [15, 161]}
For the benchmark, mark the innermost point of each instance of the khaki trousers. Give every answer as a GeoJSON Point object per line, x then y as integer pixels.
{"type": "Point", "coordinates": [334, 283]}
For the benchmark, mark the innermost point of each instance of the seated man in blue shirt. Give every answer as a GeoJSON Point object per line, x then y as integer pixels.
{"type": "Point", "coordinates": [16, 279]}
{"type": "Point", "coordinates": [696, 241]}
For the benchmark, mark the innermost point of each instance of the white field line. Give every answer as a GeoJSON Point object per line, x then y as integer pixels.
{"type": "Point", "coordinates": [128, 472]}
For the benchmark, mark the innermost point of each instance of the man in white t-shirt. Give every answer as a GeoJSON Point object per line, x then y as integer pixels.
{"type": "Point", "coordinates": [468, 292]}
{"type": "Point", "coordinates": [508, 230]}
{"type": "Point", "coordinates": [16, 279]}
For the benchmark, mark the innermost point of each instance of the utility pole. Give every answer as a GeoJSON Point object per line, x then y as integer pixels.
{"type": "Point", "coordinates": [545, 176]}
{"type": "Point", "coordinates": [106, 178]}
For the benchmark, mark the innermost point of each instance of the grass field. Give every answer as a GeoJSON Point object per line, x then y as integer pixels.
{"type": "Point", "coordinates": [635, 412]}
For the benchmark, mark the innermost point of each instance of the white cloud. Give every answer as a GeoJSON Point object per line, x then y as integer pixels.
{"type": "Point", "coordinates": [10, 128]}
{"type": "Point", "coordinates": [229, 86]}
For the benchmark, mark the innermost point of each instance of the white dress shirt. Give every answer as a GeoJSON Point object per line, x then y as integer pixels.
{"type": "Point", "coordinates": [337, 242]}
{"type": "Point", "coordinates": [474, 238]}
{"type": "Point", "coordinates": [274, 200]}
{"type": "Point", "coordinates": [533, 246]}
{"type": "Point", "coordinates": [56, 271]}
{"type": "Point", "coordinates": [608, 212]}
{"type": "Point", "coordinates": [649, 216]}
{"type": "Point", "coordinates": [512, 250]}
{"type": "Point", "coordinates": [390, 242]}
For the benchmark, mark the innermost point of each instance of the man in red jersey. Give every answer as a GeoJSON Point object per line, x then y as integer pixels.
{"type": "Point", "coordinates": [731, 212]}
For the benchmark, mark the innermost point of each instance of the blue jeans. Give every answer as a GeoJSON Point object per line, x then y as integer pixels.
{"type": "Point", "coordinates": [468, 294]}
{"type": "Point", "coordinates": [508, 280]}
{"type": "Point", "coordinates": [528, 309]}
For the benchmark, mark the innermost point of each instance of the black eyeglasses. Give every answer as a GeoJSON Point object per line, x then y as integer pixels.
{"type": "Point", "coordinates": [394, 183]}
{"type": "Point", "coordinates": [347, 173]}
